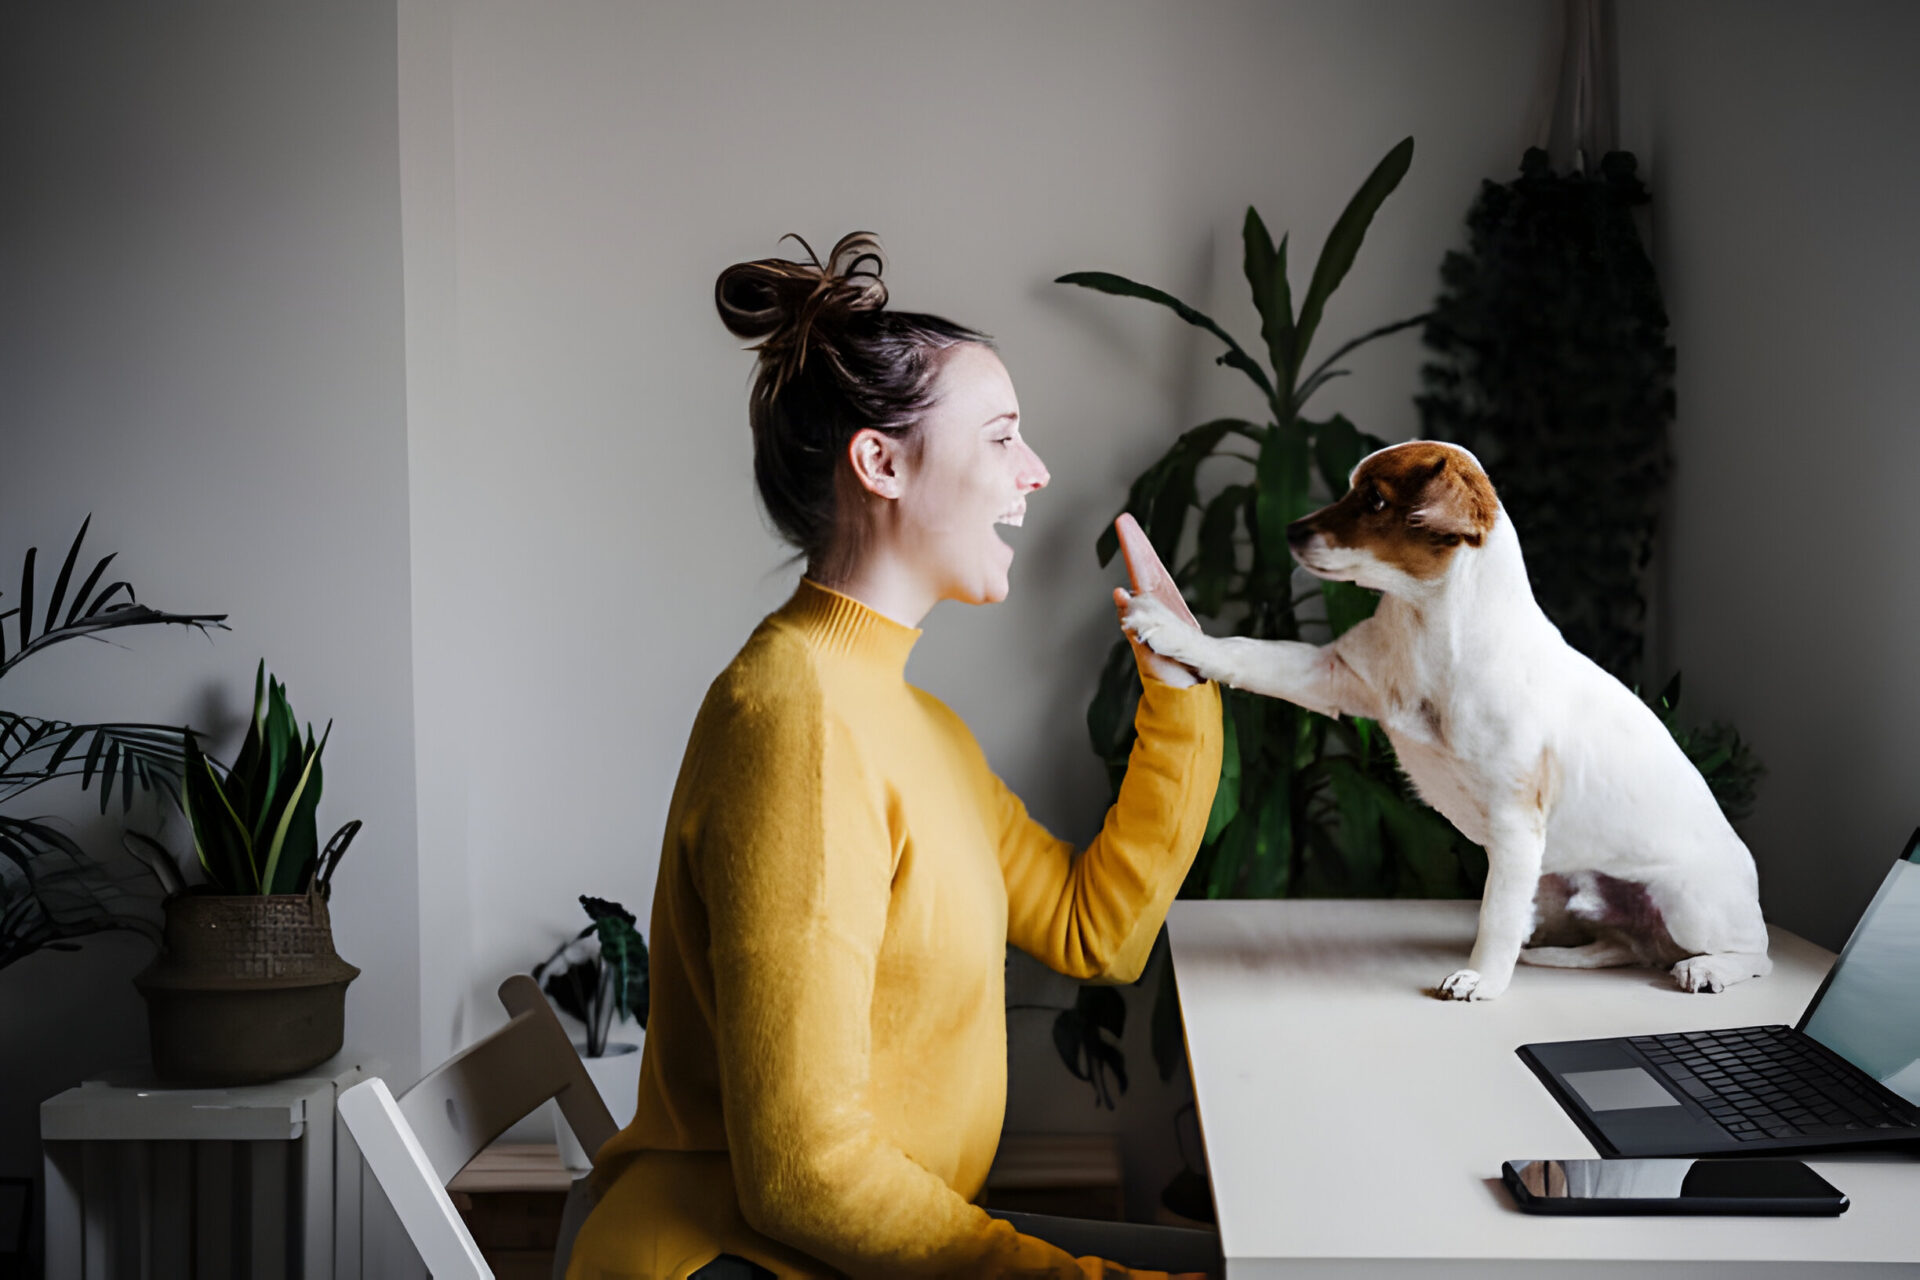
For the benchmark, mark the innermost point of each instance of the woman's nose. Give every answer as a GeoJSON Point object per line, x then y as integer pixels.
{"type": "Point", "coordinates": [1033, 472]}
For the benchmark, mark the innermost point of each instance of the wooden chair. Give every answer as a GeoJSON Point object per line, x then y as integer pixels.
{"type": "Point", "coordinates": [416, 1143]}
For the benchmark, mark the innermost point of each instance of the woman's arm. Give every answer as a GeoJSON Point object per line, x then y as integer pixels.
{"type": "Point", "coordinates": [1095, 914]}
{"type": "Point", "coordinates": [795, 866]}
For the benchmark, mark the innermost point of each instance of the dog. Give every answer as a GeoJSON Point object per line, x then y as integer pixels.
{"type": "Point", "coordinates": [1604, 845]}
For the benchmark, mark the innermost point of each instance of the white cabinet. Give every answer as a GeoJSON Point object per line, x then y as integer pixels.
{"type": "Point", "coordinates": [150, 1180]}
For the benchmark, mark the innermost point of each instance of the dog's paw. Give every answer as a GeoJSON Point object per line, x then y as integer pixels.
{"type": "Point", "coordinates": [1157, 627]}
{"type": "Point", "coordinates": [1468, 984]}
{"type": "Point", "coordinates": [1710, 974]}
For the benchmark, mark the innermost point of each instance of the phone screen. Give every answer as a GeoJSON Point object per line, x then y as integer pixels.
{"type": "Point", "coordinates": [1672, 1180]}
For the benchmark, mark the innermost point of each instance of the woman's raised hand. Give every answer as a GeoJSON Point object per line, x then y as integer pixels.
{"type": "Point", "coordinates": [1150, 577]}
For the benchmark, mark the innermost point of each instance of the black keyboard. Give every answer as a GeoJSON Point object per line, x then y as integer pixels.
{"type": "Point", "coordinates": [1769, 1082]}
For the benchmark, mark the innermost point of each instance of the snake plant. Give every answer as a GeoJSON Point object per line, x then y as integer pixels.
{"type": "Point", "coordinates": [254, 829]}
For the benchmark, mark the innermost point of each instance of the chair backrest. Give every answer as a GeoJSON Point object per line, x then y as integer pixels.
{"type": "Point", "coordinates": [416, 1143]}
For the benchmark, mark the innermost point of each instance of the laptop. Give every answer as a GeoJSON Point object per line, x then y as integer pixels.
{"type": "Point", "coordinates": [1847, 1074]}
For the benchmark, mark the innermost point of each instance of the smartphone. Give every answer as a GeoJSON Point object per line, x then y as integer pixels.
{"type": "Point", "coordinates": [1670, 1186]}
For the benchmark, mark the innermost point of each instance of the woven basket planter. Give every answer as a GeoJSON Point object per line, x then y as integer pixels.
{"type": "Point", "coordinates": [248, 988]}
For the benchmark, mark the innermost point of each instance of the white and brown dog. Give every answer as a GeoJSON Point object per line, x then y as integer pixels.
{"type": "Point", "coordinates": [1604, 845]}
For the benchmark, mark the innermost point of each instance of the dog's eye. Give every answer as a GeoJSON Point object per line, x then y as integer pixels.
{"type": "Point", "coordinates": [1373, 500]}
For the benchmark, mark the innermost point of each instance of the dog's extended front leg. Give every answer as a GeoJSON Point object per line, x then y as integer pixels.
{"type": "Point", "coordinates": [1316, 677]}
{"type": "Point", "coordinates": [1515, 845]}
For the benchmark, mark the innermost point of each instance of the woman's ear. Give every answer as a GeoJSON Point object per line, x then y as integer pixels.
{"type": "Point", "coordinates": [879, 462]}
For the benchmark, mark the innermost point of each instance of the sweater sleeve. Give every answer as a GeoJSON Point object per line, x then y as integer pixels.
{"type": "Point", "coordinates": [1096, 914]}
{"type": "Point", "coordinates": [795, 869]}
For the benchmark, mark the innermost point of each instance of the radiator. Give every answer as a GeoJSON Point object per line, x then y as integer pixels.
{"type": "Point", "coordinates": [252, 1183]}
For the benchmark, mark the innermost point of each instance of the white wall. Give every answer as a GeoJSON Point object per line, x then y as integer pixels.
{"type": "Point", "coordinates": [1779, 141]}
{"type": "Point", "coordinates": [587, 552]}
{"type": "Point", "coordinates": [201, 344]}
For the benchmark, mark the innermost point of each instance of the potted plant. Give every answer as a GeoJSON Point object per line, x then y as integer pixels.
{"type": "Point", "coordinates": [52, 890]}
{"type": "Point", "coordinates": [1552, 362]}
{"type": "Point", "coordinates": [249, 986]}
{"type": "Point", "coordinates": [1306, 805]}
{"type": "Point", "coordinates": [599, 976]}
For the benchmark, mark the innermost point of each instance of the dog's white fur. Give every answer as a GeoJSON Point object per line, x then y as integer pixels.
{"type": "Point", "coordinates": [1575, 789]}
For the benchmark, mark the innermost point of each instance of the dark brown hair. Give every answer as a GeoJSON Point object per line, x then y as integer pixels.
{"type": "Point", "coordinates": [832, 363]}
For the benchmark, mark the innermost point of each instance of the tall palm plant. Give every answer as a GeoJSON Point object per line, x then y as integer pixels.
{"type": "Point", "coordinates": [52, 891]}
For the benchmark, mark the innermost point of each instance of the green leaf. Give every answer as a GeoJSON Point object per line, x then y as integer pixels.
{"type": "Point", "coordinates": [1230, 855]}
{"type": "Point", "coordinates": [247, 765]}
{"type": "Point", "coordinates": [1161, 498]}
{"type": "Point", "coordinates": [1266, 270]}
{"type": "Point", "coordinates": [1282, 499]}
{"type": "Point", "coordinates": [623, 957]}
{"type": "Point", "coordinates": [1226, 797]}
{"type": "Point", "coordinates": [86, 588]}
{"type": "Point", "coordinates": [1343, 242]}
{"type": "Point", "coordinates": [1426, 843]}
{"type": "Point", "coordinates": [1336, 452]}
{"type": "Point", "coordinates": [1360, 841]}
{"type": "Point", "coordinates": [1168, 1037]}
{"type": "Point", "coordinates": [1170, 506]}
{"type": "Point", "coordinates": [283, 762]}
{"type": "Point", "coordinates": [88, 614]}
{"type": "Point", "coordinates": [330, 856]}
{"type": "Point", "coordinates": [1347, 605]}
{"type": "Point", "coordinates": [66, 572]}
{"type": "Point", "coordinates": [294, 846]}
{"type": "Point", "coordinates": [1272, 870]}
{"type": "Point", "coordinates": [1120, 286]}
{"type": "Point", "coordinates": [1140, 499]}
{"type": "Point", "coordinates": [220, 839]}
{"type": "Point", "coordinates": [1217, 558]}
{"type": "Point", "coordinates": [26, 599]}
{"type": "Point", "coordinates": [109, 771]}
{"type": "Point", "coordinates": [1080, 1038]}
{"type": "Point", "coordinates": [1110, 714]}
{"type": "Point", "coordinates": [156, 858]}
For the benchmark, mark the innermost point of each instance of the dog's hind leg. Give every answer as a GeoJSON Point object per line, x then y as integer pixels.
{"type": "Point", "coordinates": [1594, 955]}
{"type": "Point", "coordinates": [1720, 970]}
{"type": "Point", "coordinates": [1724, 931]}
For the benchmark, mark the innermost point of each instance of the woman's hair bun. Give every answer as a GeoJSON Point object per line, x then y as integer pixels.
{"type": "Point", "coordinates": [783, 304]}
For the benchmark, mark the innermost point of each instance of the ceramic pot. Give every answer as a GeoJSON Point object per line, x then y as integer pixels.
{"type": "Point", "coordinates": [616, 1074]}
{"type": "Point", "coordinates": [247, 988]}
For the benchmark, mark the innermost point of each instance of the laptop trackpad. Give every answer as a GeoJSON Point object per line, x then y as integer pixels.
{"type": "Point", "coordinates": [1619, 1090]}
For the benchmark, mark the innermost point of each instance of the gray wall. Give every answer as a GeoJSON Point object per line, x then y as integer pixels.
{"type": "Point", "coordinates": [201, 344]}
{"type": "Point", "coordinates": [1780, 141]}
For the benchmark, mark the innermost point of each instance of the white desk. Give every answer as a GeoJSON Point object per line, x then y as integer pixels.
{"type": "Point", "coordinates": [1355, 1125]}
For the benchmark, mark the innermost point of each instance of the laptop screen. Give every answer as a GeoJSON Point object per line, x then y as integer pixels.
{"type": "Point", "coordinates": [1869, 1012]}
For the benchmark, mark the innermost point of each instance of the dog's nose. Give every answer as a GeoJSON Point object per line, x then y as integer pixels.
{"type": "Point", "coordinates": [1298, 533]}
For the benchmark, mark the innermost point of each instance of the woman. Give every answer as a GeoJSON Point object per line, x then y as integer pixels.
{"type": "Point", "coordinates": [825, 1071]}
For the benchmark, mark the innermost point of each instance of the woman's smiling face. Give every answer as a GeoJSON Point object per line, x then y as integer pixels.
{"type": "Point", "coordinates": [972, 471]}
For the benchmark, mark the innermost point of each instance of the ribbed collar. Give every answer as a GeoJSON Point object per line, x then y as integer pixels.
{"type": "Point", "coordinates": [842, 625]}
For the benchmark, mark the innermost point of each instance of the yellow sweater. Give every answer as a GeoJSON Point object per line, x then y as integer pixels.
{"type": "Point", "coordinates": [826, 1060]}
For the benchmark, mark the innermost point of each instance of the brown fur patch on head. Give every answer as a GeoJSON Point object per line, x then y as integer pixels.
{"type": "Point", "coordinates": [1412, 506]}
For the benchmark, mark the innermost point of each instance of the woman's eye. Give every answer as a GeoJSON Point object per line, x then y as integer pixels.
{"type": "Point", "coordinates": [1004, 440]}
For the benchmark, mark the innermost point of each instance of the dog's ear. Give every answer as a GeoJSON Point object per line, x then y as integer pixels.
{"type": "Point", "coordinates": [1456, 499]}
